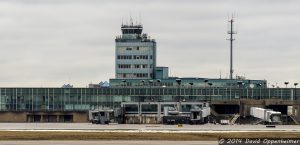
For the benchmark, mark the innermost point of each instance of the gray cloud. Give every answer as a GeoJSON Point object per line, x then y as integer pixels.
{"type": "Point", "coordinates": [51, 42]}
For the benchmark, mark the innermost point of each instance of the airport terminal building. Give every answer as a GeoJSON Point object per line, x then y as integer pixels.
{"type": "Point", "coordinates": [72, 104]}
{"type": "Point", "coordinates": [141, 89]}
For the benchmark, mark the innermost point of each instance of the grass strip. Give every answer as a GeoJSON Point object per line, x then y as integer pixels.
{"type": "Point", "coordinates": [51, 135]}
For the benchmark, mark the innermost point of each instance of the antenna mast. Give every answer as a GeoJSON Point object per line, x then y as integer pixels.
{"type": "Point", "coordinates": [231, 39]}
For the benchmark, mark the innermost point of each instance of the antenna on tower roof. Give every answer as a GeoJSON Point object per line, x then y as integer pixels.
{"type": "Point", "coordinates": [131, 21]}
{"type": "Point", "coordinates": [140, 18]}
{"type": "Point", "coordinates": [126, 22]}
{"type": "Point", "coordinates": [136, 21]}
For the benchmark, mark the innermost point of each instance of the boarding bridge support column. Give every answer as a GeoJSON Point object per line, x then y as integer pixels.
{"type": "Point", "coordinates": [140, 112]}
{"type": "Point", "coordinates": [296, 110]}
{"type": "Point", "coordinates": [158, 113]}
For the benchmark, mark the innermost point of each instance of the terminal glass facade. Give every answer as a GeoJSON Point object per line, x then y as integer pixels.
{"type": "Point", "coordinates": [83, 99]}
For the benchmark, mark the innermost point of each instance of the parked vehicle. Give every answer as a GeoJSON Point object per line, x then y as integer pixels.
{"type": "Point", "coordinates": [224, 122]}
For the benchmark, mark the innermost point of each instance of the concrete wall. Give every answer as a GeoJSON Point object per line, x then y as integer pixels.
{"type": "Point", "coordinates": [13, 116]}
{"type": "Point", "coordinates": [80, 117]}
{"type": "Point", "coordinates": [44, 117]}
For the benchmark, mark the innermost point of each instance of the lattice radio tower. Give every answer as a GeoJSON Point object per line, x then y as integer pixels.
{"type": "Point", "coordinates": [231, 32]}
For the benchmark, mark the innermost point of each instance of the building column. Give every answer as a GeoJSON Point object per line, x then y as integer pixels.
{"type": "Point", "coordinates": [42, 118]}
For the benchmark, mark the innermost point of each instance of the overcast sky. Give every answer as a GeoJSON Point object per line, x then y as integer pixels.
{"type": "Point", "coordinates": [51, 42]}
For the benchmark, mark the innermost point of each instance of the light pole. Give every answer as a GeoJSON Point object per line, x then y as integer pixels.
{"type": "Point", "coordinates": [240, 83]}
{"type": "Point", "coordinates": [259, 85]}
{"type": "Point", "coordinates": [295, 84]}
{"type": "Point", "coordinates": [286, 83]}
{"type": "Point", "coordinates": [141, 99]}
{"type": "Point", "coordinates": [205, 82]}
{"type": "Point", "coordinates": [159, 84]}
{"type": "Point", "coordinates": [191, 90]}
{"type": "Point", "coordinates": [143, 89]}
{"type": "Point", "coordinates": [210, 84]}
{"type": "Point", "coordinates": [178, 81]}
{"type": "Point", "coordinates": [143, 86]}
{"type": "Point", "coordinates": [124, 84]}
{"type": "Point", "coordinates": [286, 91]}
{"type": "Point", "coordinates": [273, 86]}
{"type": "Point", "coordinates": [150, 90]}
{"type": "Point", "coordinates": [265, 86]}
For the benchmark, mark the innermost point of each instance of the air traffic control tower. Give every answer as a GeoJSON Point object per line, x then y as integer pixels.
{"type": "Point", "coordinates": [135, 53]}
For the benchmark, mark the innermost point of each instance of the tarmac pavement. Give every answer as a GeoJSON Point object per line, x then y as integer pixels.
{"type": "Point", "coordinates": [140, 128]}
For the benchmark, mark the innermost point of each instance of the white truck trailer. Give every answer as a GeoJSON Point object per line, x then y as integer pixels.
{"type": "Point", "coordinates": [267, 115]}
